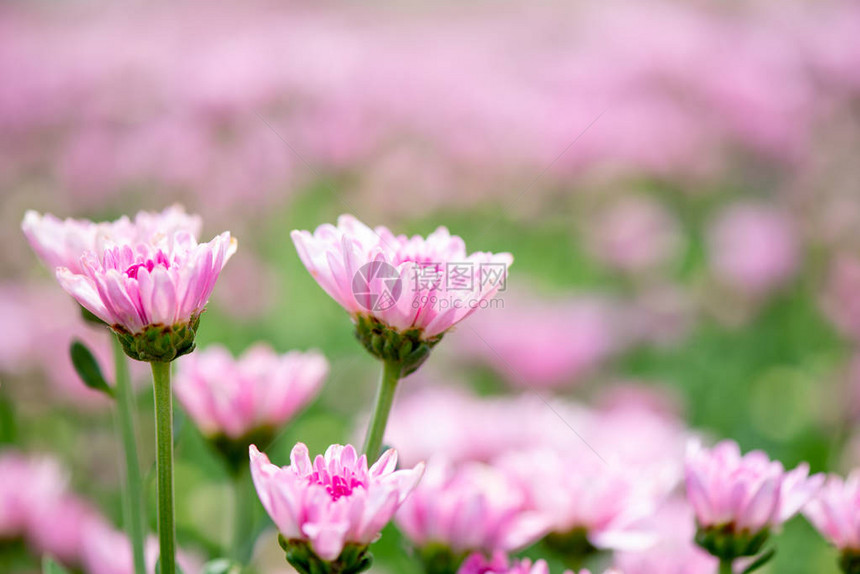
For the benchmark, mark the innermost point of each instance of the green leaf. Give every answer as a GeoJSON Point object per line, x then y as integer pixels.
{"type": "Point", "coordinates": [88, 368]}
{"type": "Point", "coordinates": [51, 567]}
{"type": "Point", "coordinates": [763, 559]}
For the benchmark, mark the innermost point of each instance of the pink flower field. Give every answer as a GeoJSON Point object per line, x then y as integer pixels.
{"type": "Point", "coordinates": [430, 288]}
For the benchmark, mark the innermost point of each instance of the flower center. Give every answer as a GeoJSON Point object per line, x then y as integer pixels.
{"type": "Point", "coordinates": [149, 264]}
{"type": "Point", "coordinates": [336, 486]}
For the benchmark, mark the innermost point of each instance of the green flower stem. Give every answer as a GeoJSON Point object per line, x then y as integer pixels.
{"type": "Point", "coordinates": [384, 399]}
{"type": "Point", "coordinates": [133, 496]}
{"type": "Point", "coordinates": [243, 519]}
{"type": "Point", "coordinates": [164, 466]}
{"type": "Point", "coordinates": [725, 567]}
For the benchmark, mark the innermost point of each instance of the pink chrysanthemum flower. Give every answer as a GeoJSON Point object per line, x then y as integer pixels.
{"type": "Point", "coordinates": [37, 507]}
{"type": "Point", "coordinates": [568, 339]}
{"type": "Point", "coordinates": [754, 248]}
{"type": "Point", "coordinates": [589, 504]}
{"type": "Point", "coordinates": [244, 400]}
{"type": "Point", "coordinates": [634, 235]}
{"type": "Point", "coordinates": [674, 551]}
{"type": "Point", "coordinates": [835, 512]}
{"type": "Point", "coordinates": [45, 483]}
{"type": "Point", "coordinates": [331, 504]}
{"type": "Point", "coordinates": [416, 286]}
{"type": "Point", "coordinates": [474, 507]}
{"type": "Point", "coordinates": [57, 528]}
{"type": "Point", "coordinates": [105, 550]}
{"type": "Point", "coordinates": [750, 492]}
{"type": "Point", "coordinates": [62, 242]}
{"type": "Point", "coordinates": [500, 564]}
{"type": "Point", "coordinates": [151, 296]}
{"type": "Point", "coordinates": [742, 497]}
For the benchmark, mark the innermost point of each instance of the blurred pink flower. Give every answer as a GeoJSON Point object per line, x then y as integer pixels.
{"type": "Point", "coordinates": [471, 508]}
{"type": "Point", "coordinates": [62, 243]}
{"type": "Point", "coordinates": [453, 414]}
{"type": "Point", "coordinates": [33, 312]}
{"type": "Point", "coordinates": [258, 390]}
{"type": "Point", "coordinates": [640, 396]}
{"type": "Point", "coordinates": [835, 511]}
{"type": "Point", "coordinates": [359, 267]}
{"type": "Point", "coordinates": [748, 493]}
{"type": "Point", "coordinates": [467, 427]}
{"type": "Point", "coordinates": [37, 506]}
{"type": "Point", "coordinates": [753, 247]}
{"type": "Point", "coordinates": [336, 499]}
{"type": "Point", "coordinates": [634, 235]}
{"type": "Point", "coordinates": [367, 86]}
{"type": "Point", "coordinates": [500, 564]}
{"type": "Point", "coordinates": [661, 314]}
{"type": "Point", "coordinates": [674, 551]}
{"type": "Point", "coordinates": [248, 301]}
{"type": "Point", "coordinates": [132, 288]}
{"type": "Point", "coordinates": [585, 494]}
{"type": "Point", "coordinates": [545, 344]}
{"type": "Point", "coordinates": [105, 550]}
{"type": "Point", "coordinates": [58, 529]}
{"type": "Point", "coordinates": [841, 299]}
{"type": "Point", "coordinates": [66, 385]}
{"type": "Point", "coordinates": [633, 434]}
{"type": "Point", "coordinates": [42, 322]}
{"type": "Point", "coordinates": [29, 483]}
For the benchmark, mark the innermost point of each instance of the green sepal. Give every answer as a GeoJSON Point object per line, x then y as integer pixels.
{"type": "Point", "coordinates": [159, 343]}
{"type": "Point", "coordinates": [353, 559]}
{"type": "Point", "coordinates": [726, 543]}
{"type": "Point", "coordinates": [572, 547]}
{"type": "Point", "coordinates": [849, 561]}
{"type": "Point", "coordinates": [440, 559]}
{"type": "Point", "coordinates": [88, 369]}
{"type": "Point", "coordinates": [407, 348]}
{"type": "Point", "coordinates": [234, 451]}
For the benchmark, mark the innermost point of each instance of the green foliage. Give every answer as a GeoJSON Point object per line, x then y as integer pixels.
{"type": "Point", "coordinates": [51, 567]}
{"type": "Point", "coordinates": [88, 369]}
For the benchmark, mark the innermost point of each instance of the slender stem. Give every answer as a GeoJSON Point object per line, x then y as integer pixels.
{"type": "Point", "coordinates": [725, 567]}
{"type": "Point", "coordinates": [243, 518]}
{"type": "Point", "coordinates": [384, 399]}
{"type": "Point", "coordinates": [164, 466]}
{"type": "Point", "coordinates": [133, 496]}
